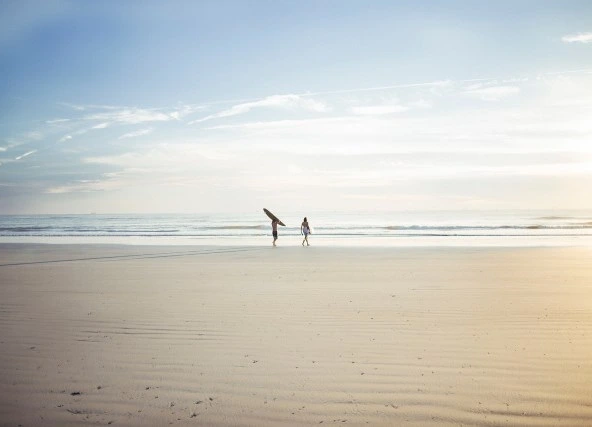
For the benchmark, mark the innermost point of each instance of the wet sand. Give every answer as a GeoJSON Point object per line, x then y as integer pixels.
{"type": "Point", "coordinates": [132, 335]}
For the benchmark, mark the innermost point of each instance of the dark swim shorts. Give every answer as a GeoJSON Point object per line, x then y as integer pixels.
{"type": "Point", "coordinates": [274, 234]}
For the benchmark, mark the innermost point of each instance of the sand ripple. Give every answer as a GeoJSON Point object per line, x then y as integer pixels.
{"type": "Point", "coordinates": [399, 337]}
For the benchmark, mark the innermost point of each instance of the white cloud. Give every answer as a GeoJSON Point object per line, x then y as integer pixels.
{"type": "Point", "coordinates": [268, 127]}
{"type": "Point", "coordinates": [526, 126]}
{"type": "Point", "coordinates": [376, 110]}
{"type": "Point", "coordinates": [85, 186]}
{"type": "Point", "coordinates": [185, 111]}
{"type": "Point", "coordinates": [433, 84]}
{"type": "Point", "coordinates": [87, 107]}
{"type": "Point", "coordinates": [494, 93]}
{"type": "Point", "coordinates": [362, 145]}
{"type": "Point", "coordinates": [108, 116]}
{"type": "Point", "coordinates": [134, 134]}
{"type": "Point", "coordinates": [28, 153]}
{"type": "Point", "coordinates": [274, 101]}
{"type": "Point", "coordinates": [577, 38]}
{"type": "Point", "coordinates": [422, 103]}
{"type": "Point", "coordinates": [33, 136]}
{"type": "Point", "coordinates": [80, 132]}
{"type": "Point", "coordinates": [130, 116]}
{"type": "Point", "coordinates": [474, 86]}
{"type": "Point", "coordinates": [169, 158]}
{"type": "Point", "coordinates": [106, 182]}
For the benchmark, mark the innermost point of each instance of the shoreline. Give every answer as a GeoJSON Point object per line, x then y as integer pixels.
{"type": "Point", "coordinates": [315, 240]}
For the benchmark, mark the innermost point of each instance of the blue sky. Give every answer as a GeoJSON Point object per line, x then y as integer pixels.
{"type": "Point", "coordinates": [324, 105]}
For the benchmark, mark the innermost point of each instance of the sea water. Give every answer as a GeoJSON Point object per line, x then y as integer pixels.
{"type": "Point", "coordinates": [492, 228]}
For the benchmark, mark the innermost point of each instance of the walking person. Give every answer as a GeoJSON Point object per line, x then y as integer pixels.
{"type": "Point", "coordinates": [274, 224]}
{"type": "Point", "coordinates": [305, 229]}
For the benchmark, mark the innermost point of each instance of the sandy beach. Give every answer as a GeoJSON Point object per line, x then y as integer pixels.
{"type": "Point", "coordinates": [254, 336]}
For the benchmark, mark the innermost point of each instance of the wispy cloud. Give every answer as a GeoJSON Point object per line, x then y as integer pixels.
{"type": "Point", "coordinates": [80, 132]}
{"type": "Point", "coordinates": [432, 84]}
{"type": "Point", "coordinates": [577, 38]}
{"type": "Point", "coordinates": [422, 103]}
{"type": "Point", "coordinates": [494, 93]}
{"type": "Point", "coordinates": [33, 136]}
{"type": "Point", "coordinates": [137, 133]}
{"type": "Point", "coordinates": [275, 101]}
{"type": "Point", "coordinates": [130, 116]}
{"type": "Point", "coordinates": [82, 186]}
{"type": "Point", "coordinates": [28, 153]}
{"type": "Point", "coordinates": [86, 107]}
{"type": "Point", "coordinates": [106, 116]}
{"type": "Point", "coordinates": [185, 111]}
{"type": "Point", "coordinates": [376, 110]}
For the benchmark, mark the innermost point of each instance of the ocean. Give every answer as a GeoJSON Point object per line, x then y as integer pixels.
{"type": "Point", "coordinates": [467, 228]}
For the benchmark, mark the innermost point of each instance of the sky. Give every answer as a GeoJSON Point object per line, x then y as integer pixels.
{"type": "Point", "coordinates": [231, 106]}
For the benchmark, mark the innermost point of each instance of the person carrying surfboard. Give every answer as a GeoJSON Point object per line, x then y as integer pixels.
{"type": "Point", "coordinates": [305, 229]}
{"type": "Point", "coordinates": [274, 224]}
